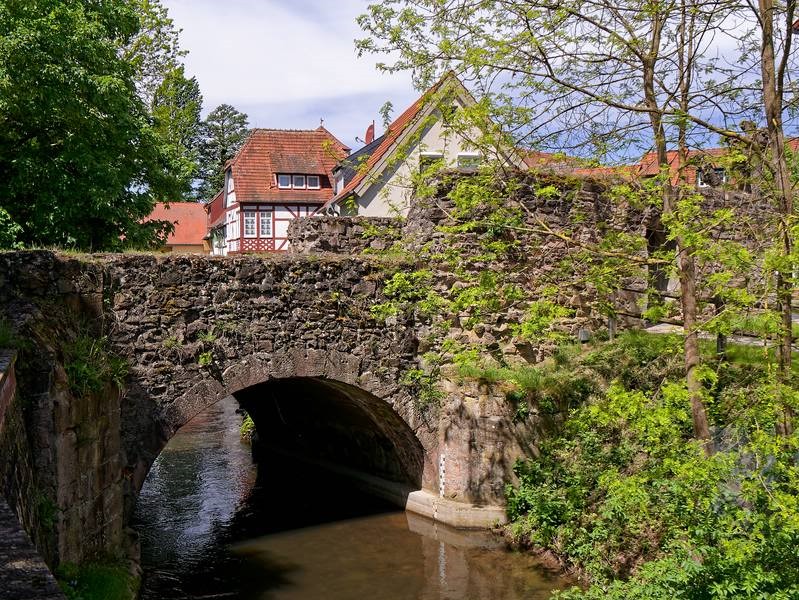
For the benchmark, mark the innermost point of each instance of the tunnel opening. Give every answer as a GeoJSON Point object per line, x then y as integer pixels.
{"type": "Point", "coordinates": [329, 423]}
{"type": "Point", "coordinates": [219, 518]}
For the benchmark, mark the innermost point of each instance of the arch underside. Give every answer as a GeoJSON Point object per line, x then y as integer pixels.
{"type": "Point", "coordinates": [334, 422]}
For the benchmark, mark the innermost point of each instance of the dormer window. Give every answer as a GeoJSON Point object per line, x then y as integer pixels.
{"type": "Point", "coordinates": [427, 160]}
{"type": "Point", "coordinates": [295, 181]}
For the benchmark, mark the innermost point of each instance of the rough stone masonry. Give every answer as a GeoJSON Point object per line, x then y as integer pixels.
{"type": "Point", "coordinates": [192, 330]}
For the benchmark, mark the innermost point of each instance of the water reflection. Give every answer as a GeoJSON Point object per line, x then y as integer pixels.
{"type": "Point", "coordinates": [213, 526]}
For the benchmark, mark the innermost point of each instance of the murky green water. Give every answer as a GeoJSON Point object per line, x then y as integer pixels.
{"type": "Point", "coordinates": [215, 526]}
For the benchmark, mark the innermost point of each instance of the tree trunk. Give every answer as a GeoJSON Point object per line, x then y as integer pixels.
{"type": "Point", "coordinates": [687, 266]}
{"type": "Point", "coordinates": [773, 103]}
{"type": "Point", "coordinates": [686, 261]}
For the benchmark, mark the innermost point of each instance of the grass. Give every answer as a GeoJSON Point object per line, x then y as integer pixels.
{"type": "Point", "coordinates": [90, 366]}
{"type": "Point", "coordinates": [97, 581]}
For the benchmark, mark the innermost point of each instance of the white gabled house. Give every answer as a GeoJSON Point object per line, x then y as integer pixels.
{"type": "Point", "coordinates": [377, 180]}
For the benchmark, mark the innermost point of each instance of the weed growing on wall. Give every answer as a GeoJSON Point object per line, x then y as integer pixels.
{"type": "Point", "coordinates": [91, 366]}
{"type": "Point", "coordinates": [247, 429]}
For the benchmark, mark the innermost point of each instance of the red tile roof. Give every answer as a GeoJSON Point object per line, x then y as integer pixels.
{"type": "Point", "coordinates": [393, 132]}
{"type": "Point", "coordinates": [216, 210]}
{"type": "Point", "coordinates": [269, 152]}
{"type": "Point", "coordinates": [189, 218]}
{"type": "Point", "coordinates": [648, 166]}
{"type": "Point", "coordinates": [535, 158]}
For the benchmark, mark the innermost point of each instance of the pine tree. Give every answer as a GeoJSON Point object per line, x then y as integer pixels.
{"type": "Point", "coordinates": [223, 133]}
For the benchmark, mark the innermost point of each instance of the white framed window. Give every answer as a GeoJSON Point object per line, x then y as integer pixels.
{"type": "Point", "coordinates": [284, 182]}
{"type": "Point", "coordinates": [232, 224]}
{"type": "Point", "coordinates": [298, 182]}
{"type": "Point", "coordinates": [230, 194]}
{"type": "Point", "coordinates": [718, 177]}
{"type": "Point", "coordinates": [469, 161]}
{"type": "Point", "coordinates": [428, 159]}
{"type": "Point", "coordinates": [313, 182]}
{"type": "Point", "coordinates": [266, 223]}
{"type": "Point", "coordinates": [249, 224]}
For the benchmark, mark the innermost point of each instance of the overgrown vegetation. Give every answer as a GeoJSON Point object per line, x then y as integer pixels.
{"type": "Point", "coordinates": [627, 499]}
{"type": "Point", "coordinates": [97, 581]}
{"type": "Point", "coordinates": [90, 365]}
{"type": "Point", "coordinates": [247, 429]}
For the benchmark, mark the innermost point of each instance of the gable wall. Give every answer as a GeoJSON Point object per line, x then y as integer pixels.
{"type": "Point", "coordinates": [390, 195]}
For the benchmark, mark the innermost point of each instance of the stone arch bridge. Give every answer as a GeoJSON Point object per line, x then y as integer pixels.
{"type": "Point", "coordinates": [291, 337]}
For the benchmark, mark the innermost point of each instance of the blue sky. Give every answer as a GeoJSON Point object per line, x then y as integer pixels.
{"type": "Point", "coordinates": [287, 63]}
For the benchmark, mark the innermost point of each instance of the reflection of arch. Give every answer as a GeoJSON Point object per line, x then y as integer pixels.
{"type": "Point", "coordinates": [379, 412]}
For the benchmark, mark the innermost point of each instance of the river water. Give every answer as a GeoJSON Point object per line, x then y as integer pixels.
{"type": "Point", "coordinates": [214, 525]}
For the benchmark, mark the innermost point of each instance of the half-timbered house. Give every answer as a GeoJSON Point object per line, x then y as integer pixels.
{"type": "Point", "coordinates": [278, 175]}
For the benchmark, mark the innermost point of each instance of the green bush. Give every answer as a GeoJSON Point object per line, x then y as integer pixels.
{"type": "Point", "coordinates": [628, 499]}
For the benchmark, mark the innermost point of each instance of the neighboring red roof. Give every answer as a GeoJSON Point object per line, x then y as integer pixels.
{"type": "Point", "coordinates": [269, 152]}
{"type": "Point", "coordinates": [648, 166]}
{"type": "Point", "coordinates": [189, 218]}
{"type": "Point", "coordinates": [534, 158]}
{"type": "Point", "coordinates": [389, 137]}
{"type": "Point", "coordinates": [561, 163]}
{"type": "Point", "coordinates": [602, 172]}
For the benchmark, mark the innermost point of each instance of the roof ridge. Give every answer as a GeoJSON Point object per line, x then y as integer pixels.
{"type": "Point", "coordinates": [395, 130]}
{"type": "Point", "coordinates": [288, 130]}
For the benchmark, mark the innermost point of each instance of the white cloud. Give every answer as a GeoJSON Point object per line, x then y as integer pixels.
{"type": "Point", "coordinates": [287, 57]}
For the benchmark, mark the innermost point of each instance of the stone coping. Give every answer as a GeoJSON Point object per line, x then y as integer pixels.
{"type": "Point", "coordinates": [23, 574]}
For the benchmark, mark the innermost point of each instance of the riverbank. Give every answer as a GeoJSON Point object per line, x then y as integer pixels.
{"type": "Point", "coordinates": [627, 499]}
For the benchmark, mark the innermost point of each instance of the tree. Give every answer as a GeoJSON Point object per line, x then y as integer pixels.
{"type": "Point", "coordinates": [775, 62]}
{"type": "Point", "coordinates": [154, 50]}
{"type": "Point", "coordinates": [223, 132]}
{"type": "Point", "coordinates": [176, 111]}
{"type": "Point", "coordinates": [609, 79]}
{"type": "Point", "coordinates": [79, 160]}
{"type": "Point", "coordinates": [575, 74]}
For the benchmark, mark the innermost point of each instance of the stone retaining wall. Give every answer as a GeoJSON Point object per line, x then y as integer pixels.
{"type": "Point", "coordinates": [342, 235]}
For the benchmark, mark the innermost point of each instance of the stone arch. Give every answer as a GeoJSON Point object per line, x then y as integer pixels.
{"type": "Point", "coordinates": [378, 400]}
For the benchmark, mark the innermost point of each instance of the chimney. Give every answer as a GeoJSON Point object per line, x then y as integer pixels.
{"type": "Point", "coordinates": [370, 134]}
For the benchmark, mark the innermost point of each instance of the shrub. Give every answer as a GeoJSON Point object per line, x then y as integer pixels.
{"type": "Point", "coordinates": [627, 498]}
